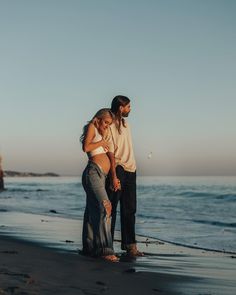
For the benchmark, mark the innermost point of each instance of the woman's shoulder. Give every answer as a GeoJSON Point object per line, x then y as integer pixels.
{"type": "Point", "coordinates": [92, 129]}
{"type": "Point", "coordinates": [92, 126]}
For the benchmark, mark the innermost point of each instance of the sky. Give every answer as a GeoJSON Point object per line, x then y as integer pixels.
{"type": "Point", "coordinates": [62, 60]}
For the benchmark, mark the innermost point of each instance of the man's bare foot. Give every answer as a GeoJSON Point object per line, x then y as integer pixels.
{"type": "Point", "coordinates": [132, 251]}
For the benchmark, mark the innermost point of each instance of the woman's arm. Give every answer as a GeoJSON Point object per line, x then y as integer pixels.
{"type": "Point", "coordinates": [88, 145]}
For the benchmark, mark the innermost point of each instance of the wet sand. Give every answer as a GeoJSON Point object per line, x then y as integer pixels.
{"type": "Point", "coordinates": [27, 268]}
{"type": "Point", "coordinates": [29, 265]}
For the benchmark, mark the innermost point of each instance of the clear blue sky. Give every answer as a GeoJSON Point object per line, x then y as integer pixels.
{"type": "Point", "coordinates": [63, 60]}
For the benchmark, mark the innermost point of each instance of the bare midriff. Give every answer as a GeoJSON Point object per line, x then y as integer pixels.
{"type": "Point", "coordinates": [103, 161]}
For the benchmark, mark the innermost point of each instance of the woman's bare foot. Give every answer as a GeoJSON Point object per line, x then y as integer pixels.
{"type": "Point", "coordinates": [111, 258]}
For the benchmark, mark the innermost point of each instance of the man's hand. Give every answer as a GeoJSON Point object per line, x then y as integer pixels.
{"type": "Point", "coordinates": [116, 184]}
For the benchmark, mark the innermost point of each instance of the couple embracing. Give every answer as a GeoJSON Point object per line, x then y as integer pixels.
{"type": "Point", "coordinates": [109, 178]}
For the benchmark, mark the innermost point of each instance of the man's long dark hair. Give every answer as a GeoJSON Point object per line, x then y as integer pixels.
{"type": "Point", "coordinates": [119, 100]}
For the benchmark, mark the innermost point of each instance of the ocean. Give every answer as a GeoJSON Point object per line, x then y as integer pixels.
{"type": "Point", "coordinates": [191, 211]}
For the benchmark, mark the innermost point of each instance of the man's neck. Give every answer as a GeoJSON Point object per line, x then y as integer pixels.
{"type": "Point", "coordinates": [119, 119]}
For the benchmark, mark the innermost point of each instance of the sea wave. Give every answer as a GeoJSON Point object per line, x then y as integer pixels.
{"type": "Point", "coordinates": [25, 190]}
{"type": "Point", "coordinates": [226, 197]}
{"type": "Point", "coordinates": [193, 194]}
{"type": "Point", "coordinates": [216, 223]}
{"type": "Point", "coordinates": [145, 216]}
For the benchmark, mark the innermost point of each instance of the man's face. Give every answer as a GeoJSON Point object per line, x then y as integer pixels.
{"type": "Point", "coordinates": [125, 110]}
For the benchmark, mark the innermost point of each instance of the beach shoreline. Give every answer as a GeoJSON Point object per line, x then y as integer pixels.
{"type": "Point", "coordinates": [39, 250]}
{"type": "Point", "coordinates": [196, 212]}
{"type": "Point", "coordinates": [29, 267]}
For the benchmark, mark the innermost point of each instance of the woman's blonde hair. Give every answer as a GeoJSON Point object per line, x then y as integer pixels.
{"type": "Point", "coordinates": [101, 114]}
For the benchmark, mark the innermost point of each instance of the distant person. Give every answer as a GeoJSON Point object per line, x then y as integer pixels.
{"type": "Point", "coordinates": [97, 239]}
{"type": "Point", "coordinates": [1, 176]}
{"type": "Point", "coordinates": [123, 175]}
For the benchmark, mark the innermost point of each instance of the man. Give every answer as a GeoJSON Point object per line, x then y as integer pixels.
{"type": "Point", "coordinates": [123, 175]}
{"type": "Point", "coordinates": [1, 176]}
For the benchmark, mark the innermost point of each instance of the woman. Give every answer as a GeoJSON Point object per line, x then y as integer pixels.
{"type": "Point", "coordinates": [97, 239]}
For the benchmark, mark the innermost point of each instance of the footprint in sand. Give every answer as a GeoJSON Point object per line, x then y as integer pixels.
{"type": "Point", "coordinates": [9, 252]}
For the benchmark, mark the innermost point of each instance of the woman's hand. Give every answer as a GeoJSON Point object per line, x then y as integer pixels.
{"type": "Point", "coordinates": [108, 207]}
{"type": "Point", "coordinates": [104, 144]}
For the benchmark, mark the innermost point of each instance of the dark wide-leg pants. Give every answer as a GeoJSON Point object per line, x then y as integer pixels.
{"type": "Point", "coordinates": [128, 203]}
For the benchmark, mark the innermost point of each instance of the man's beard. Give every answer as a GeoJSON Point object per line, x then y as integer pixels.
{"type": "Point", "coordinates": [125, 114]}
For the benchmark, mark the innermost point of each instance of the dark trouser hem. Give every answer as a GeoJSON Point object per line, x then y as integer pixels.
{"type": "Point", "coordinates": [128, 247]}
{"type": "Point", "coordinates": [104, 252]}
{"type": "Point", "coordinates": [98, 252]}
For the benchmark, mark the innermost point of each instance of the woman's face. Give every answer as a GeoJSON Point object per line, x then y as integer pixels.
{"type": "Point", "coordinates": [104, 123]}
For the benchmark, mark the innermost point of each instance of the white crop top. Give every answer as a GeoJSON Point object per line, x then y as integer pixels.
{"type": "Point", "coordinates": [100, 149]}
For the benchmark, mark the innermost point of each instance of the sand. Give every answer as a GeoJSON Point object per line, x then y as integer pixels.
{"type": "Point", "coordinates": [29, 268]}
{"type": "Point", "coordinates": [26, 268]}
